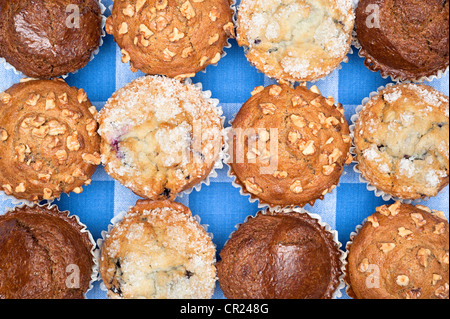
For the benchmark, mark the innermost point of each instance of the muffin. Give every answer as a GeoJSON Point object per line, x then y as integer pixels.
{"type": "Point", "coordinates": [46, 39]}
{"type": "Point", "coordinates": [172, 38]}
{"type": "Point", "coordinates": [158, 250]}
{"type": "Point", "coordinates": [401, 252]}
{"type": "Point", "coordinates": [289, 145]}
{"type": "Point", "coordinates": [401, 139]}
{"type": "Point", "coordinates": [280, 256]}
{"type": "Point", "coordinates": [48, 140]}
{"type": "Point", "coordinates": [404, 39]}
{"type": "Point", "coordinates": [44, 254]}
{"type": "Point", "coordinates": [160, 137]}
{"type": "Point", "coordinates": [296, 40]}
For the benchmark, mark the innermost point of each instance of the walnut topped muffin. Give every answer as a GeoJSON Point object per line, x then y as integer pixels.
{"type": "Point", "coordinates": [176, 38]}
{"type": "Point", "coordinates": [290, 145]}
{"type": "Point", "coordinates": [48, 140]}
{"type": "Point", "coordinates": [401, 252]}
{"type": "Point", "coordinates": [296, 40]}
{"type": "Point", "coordinates": [401, 141]}
{"type": "Point", "coordinates": [46, 39]}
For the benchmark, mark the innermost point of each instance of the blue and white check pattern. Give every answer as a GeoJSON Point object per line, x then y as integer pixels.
{"type": "Point", "coordinates": [220, 205]}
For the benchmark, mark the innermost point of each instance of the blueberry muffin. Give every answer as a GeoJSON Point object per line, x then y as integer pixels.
{"type": "Point", "coordinates": [405, 39]}
{"type": "Point", "coordinates": [48, 140]}
{"type": "Point", "coordinates": [44, 254]}
{"type": "Point", "coordinates": [160, 137]}
{"type": "Point", "coordinates": [289, 145]}
{"type": "Point", "coordinates": [401, 141]}
{"type": "Point", "coordinates": [401, 252]}
{"type": "Point", "coordinates": [46, 39]}
{"type": "Point", "coordinates": [296, 40]}
{"type": "Point", "coordinates": [158, 251]}
{"type": "Point", "coordinates": [280, 256]}
{"type": "Point", "coordinates": [176, 38]}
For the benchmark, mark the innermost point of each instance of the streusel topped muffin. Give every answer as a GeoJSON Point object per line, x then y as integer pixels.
{"type": "Point", "coordinates": [290, 145]}
{"type": "Point", "coordinates": [176, 38]}
{"type": "Point", "coordinates": [160, 136]}
{"type": "Point", "coordinates": [401, 141]}
{"type": "Point", "coordinates": [48, 140]}
{"type": "Point", "coordinates": [158, 250]}
{"type": "Point", "coordinates": [296, 40]}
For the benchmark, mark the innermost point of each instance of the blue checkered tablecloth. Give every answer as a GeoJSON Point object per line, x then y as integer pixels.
{"type": "Point", "coordinates": [220, 205]}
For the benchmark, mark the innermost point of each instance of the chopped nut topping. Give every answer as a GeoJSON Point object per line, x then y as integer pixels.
{"type": "Point", "coordinates": [402, 280]}
{"type": "Point", "coordinates": [123, 28]}
{"type": "Point", "coordinates": [168, 55]}
{"type": "Point", "coordinates": [394, 208]}
{"type": "Point", "coordinates": [264, 135]}
{"type": "Point", "coordinates": [77, 190]}
{"type": "Point", "coordinates": [298, 101]}
{"type": "Point", "coordinates": [296, 187]}
{"type": "Point", "coordinates": [257, 90]}
{"type": "Point", "coordinates": [329, 141]}
{"type": "Point", "coordinates": [268, 108]}
{"type": "Point", "coordinates": [442, 291]}
{"type": "Point", "coordinates": [78, 173]}
{"type": "Point", "coordinates": [161, 4]}
{"type": "Point", "coordinates": [20, 188]}
{"type": "Point", "coordinates": [422, 256]}
{"type": "Point", "coordinates": [128, 11]}
{"type": "Point", "coordinates": [436, 278]}
{"type": "Point", "coordinates": [44, 177]}
{"type": "Point", "coordinates": [187, 10]}
{"type": "Point", "coordinates": [293, 137]}
{"type": "Point", "coordinates": [72, 142]}
{"type": "Point", "coordinates": [50, 102]}
{"type": "Point", "coordinates": [252, 187]}
{"type": "Point", "coordinates": [374, 220]}
{"type": "Point", "coordinates": [418, 219]}
{"type": "Point", "coordinates": [280, 174]}
{"type": "Point", "coordinates": [63, 98]}
{"type": "Point", "coordinates": [5, 98]}
{"type": "Point", "coordinates": [334, 156]}
{"type": "Point", "coordinates": [47, 193]}
{"type": "Point", "coordinates": [213, 39]}
{"type": "Point", "coordinates": [364, 265]}
{"type": "Point", "coordinates": [439, 229]}
{"type": "Point", "coordinates": [328, 169]}
{"type": "Point", "coordinates": [56, 128]}
{"type": "Point", "coordinates": [386, 247]}
{"type": "Point", "coordinates": [7, 189]}
{"type": "Point", "coordinates": [229, 29]}
{"type": "Point", "coordinates": [187, 52]}
{"type": "Point", "coordinates": [216, 58]}
{"type": "Point", "coordinates": [91, 127]}
{"type": "Point", "coordinates": [40, 132]}
{"type": "Point", "coordinates": [125, 56]}
{"type": "Point", "coordinates": [3, 135]}
{"type": "Point", "coordinates": [140, 4]}
{"type": "Point", "coordinates": [275, 90]}
{"type": "Point", "coordinates": [425, 208]}
{"type": "Point", "coordinates": [383, 210]}
{"type": "Point", "coordinates": [33, 99]}
{"type": "Point", "coordinates": [298, 121]}
{"type": "Point", "coordinates": [403, 232]}
{"type": "Point", "coordinates": [214, 14]}
{"type": "Point", "coordinates": [203, 60]}
{"type": "Point", "coordinates": [93, 159]}
{"type": "Point", "coordinates": [145, 31]}
{"type": "Point", "coordinates": [315, 89]}
{"type": "Point", "coordinates": [176, 35]}
{"type": "Point", "coordinates": [61, 155]}
{"type": "Point", "coordinates": [309, 148]}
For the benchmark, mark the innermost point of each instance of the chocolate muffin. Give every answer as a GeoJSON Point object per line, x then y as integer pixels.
{"type": "Point", "coordinates": [48, 140]}
{"type": "Point", "coordinates": [280, 256]}
{"type": "Point", "coordinates": [44, 254]}
{"type": "Point", "coordinates": [45, 38]}
{"type": "Point", "coordinates": [175, 38]}
{"type": "Point", "coordinates": [289, 145]}
{"type": "Point", "coordinates": [401, 252]}
{"type": "Point", "coordinates": [158, 251]}
{"type": "Point", "coordinates": [404, 39]}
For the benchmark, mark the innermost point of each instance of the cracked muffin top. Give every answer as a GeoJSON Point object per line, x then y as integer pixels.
{"type": "Point", "coordinates": [176, 38]}
{"type": "Point", "coordinates": [295, 40]}
{"type": "Point", "coordinates": [48, 140]}
{"type": "Point", "coordinates": [401, 252]}
{"type": "Point", "coordinates": [46, 39]}
{"type": "Point", "coordinates": [402, 141]}
{"type": "Point", "coordinates": [405, 39]}
{"type": "Point", "coordinates": [158, 251]}
{"type": "Point", "coordinates": [44, 254]}
{"type": "Point", "coordinates": [160, 136]}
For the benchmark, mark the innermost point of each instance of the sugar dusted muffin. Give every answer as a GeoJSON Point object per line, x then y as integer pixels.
{"type": "Point", "coordinates": [289, 145]}
{"type": "Point", "coordinates": [171, 37]}
{"type": "Point", "coordinates": [48, 140]}
{"type": "Point", "coordinates": [401, 252]}
{"type": "Point", "coordinates": [296, 40]}
{"type": "Point", "coordinates": [401, 141]}
{"type": "Point", "coordinates": [44, 254]}
{"type": "Point", "coordinates": [280, 256]}
{"type": "Point", "coordinates": [160, 137]}
{"type": "Point", "coordinates": [158, 251]}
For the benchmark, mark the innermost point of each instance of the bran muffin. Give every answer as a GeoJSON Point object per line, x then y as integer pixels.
{"type": "Point", "coordinates": [401, 139]}
{"type": "Point", "coordinates": [160, 137]}
{"type": "Point", "coordinates": [290, 145]}
{"type": "Point", "coordinates": [44, 254]}
{"type": "Point", "coordinates": [404, 39]}
{"type": "Point", "coordinates": [46, 39]}
{"type": "Point", "coordinates": [401, 252]}
{"type": "Point", "coordinates": [280, 256]}
{"type": "Point", "coordinates": [158, 250]}
{"type": "Point", "coordinates": [175, 38]}
{"type": "Point", "coordinates": [48, 140]}
{"type": "Point", "coordinates": [296, 40]}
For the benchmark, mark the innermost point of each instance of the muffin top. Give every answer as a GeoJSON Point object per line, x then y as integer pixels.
{"type": "Point", "coordinates": [48, 140]}
{"type": "Point", "coordinates": [44, 254]}
{"type": "Point", "coordinates": [158, 250]}
{"type": "Point", "coordinates": [401, 252]}
{"type": "Point", "coordinates": [280, 256]}
{"type": "Point", "coordinates": [289, 145]}
{"type": "Point", "coordinates": [176, 38]}
{"type": "Point", "coordinates": [295, 40]}
{"type": "Point", "coordinates": [402, 141]}
{"type": "Point", "coordinates": [45, 38]}
{"type": "Point", "coordinates": [406, 39]}
{"type": "Point", "coordinates": [159, 136]}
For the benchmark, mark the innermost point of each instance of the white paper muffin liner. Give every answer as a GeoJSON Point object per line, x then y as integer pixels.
{"type": "Point", "coordinates": [378, 193]}
{"type": "Point", "coordinates": [116, 220]}
{"type": "Point", "coordinates": [338, 292]}
{"type": "Point", "coordinates": [393, 78]}
{"type": "Point", "coordinates": [8, 66]}
{"type": "Point", "coordinates": [95, 267]}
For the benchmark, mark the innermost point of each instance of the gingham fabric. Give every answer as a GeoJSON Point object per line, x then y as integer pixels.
{"type": "Point", "coordinates": [220, 205]}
